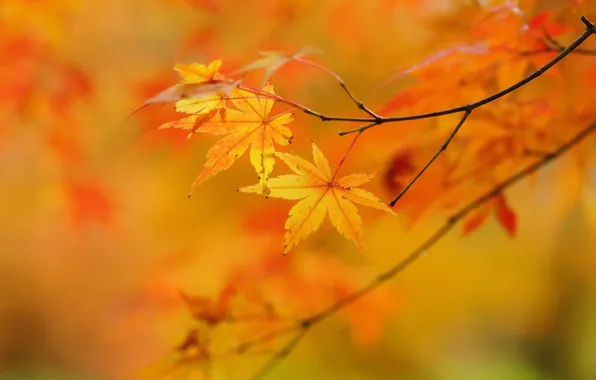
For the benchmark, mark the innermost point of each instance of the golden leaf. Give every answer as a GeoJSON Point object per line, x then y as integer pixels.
{"type": "Point", "coordinates": [319, 194]}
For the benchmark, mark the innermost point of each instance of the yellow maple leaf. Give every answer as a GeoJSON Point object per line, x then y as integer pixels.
{"type": "Point", "coordinates": [192, 122]}
{"type": "Point", "coordinates": [197, 93]}
{"type": "Point", "coordinates": [202, 104]}
{"type": "Point", "coordinates": [248, 124]}
{"type": "Point", "coordinates": [320, 194]}
{"type": "Point", "coordinates": [211, 94]}
{"type": "Point", "coordinates": [201, 109]}
{"type": "Point", "coordinates": [195, 73]}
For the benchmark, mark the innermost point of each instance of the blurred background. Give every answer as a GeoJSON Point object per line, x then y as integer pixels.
{"type": "Point", "coordinates": [97, 234]}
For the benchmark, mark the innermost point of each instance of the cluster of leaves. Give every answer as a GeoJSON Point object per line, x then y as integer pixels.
{"type": "Point", "coordinates": [44, 94]}
{"type": "Point", "coordinates": [502, 137]}
{"type": "Point", "coordinates": [259, 304]}
{"type": "Point", "coordinates": [219, 105]}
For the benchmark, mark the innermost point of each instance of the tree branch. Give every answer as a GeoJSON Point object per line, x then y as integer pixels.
{"type": "Point", "coordinates": [280, 355]}
{"type": "Point", "coordinates": [553, 45]}
{"type": "Point", "coordinates": [375, 119]}
{"type": "Point", "coordinates": [434, 157]}
{"type": "Point", "coordinates": [342, 84]}
{"type": "Point", "coordinates": [590, 29]}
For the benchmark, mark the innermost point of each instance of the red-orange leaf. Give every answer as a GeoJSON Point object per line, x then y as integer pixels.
{"type": "Point", "coordinates": [475, 219]}
{"type": "Point", "coordinates": [506, 216]}
{"type": "Point", "coordinates": [503, 213]}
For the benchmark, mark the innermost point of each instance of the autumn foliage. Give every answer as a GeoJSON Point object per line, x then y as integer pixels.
{"type": "Point", "coordinates": [326, 148]}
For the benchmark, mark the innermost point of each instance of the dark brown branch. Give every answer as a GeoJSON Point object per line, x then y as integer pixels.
{"type": "Point", "coordinates": [358, 103]}
{"type": "Point", "coordinates": [553, 45]}
{"type": "Point", "coordinates": [302, 329]}
{"type": "Point", "coordinates": [576, 51]}
{"type": "Point", "coordinates": [378, 120]}
{"type": "Point", "coordinates": [552, 49]}
{"type": "Point", "coordinates": [590, 29]}
{"type": "Point", "coordinates": [434, 157]}
{"type": "Point", "coordinates": [344, 87]}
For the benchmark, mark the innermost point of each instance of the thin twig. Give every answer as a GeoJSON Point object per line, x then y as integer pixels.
{"type": "Point", "coordinates": [553, 45]}
{"type": "Point", "coordinates": [359, 104]}
{"type": "Point", "coordinates": [376, 119]}
{"type": "Point", "coordinates": [551, 49]}
{"type": "Point", "coordinates": [433, 158]}
{"type": "Point", "coordinates": [550, 40]}
{"type": "Point", "coordinates": [280, 355]}
{"type": "Point", "coordinates": [307, 323]}
{"type": "Point", "coordinates": [246, 346]}
{"type": "Point", "coordinates": [590, 29]}
{"type": "Point", "coordinates": [343, 85]}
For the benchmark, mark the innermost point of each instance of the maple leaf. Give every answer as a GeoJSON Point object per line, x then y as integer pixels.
{"type": "Point", "coordinates": [207, 310]}
{"type": "Point", "coordinates": [249, 125]}
{"type": "Point", "coordinates": [195, 73]}
{"type": "Point", "coordinates": [502, 211]}
{"type": "Point", "coordinates": [198, 119]}
{"type": "Point", "coordinates": [272, 61]}
{"type": "Point", "coordinates": [320, 194]}
{"type": "Point", "coordinates": [198, 95]}
{"type": "Point", "coordinates": [201, 89]}
{"type": "Point", "coordinates": [183, 91]}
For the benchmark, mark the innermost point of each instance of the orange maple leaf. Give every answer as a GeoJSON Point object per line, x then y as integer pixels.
{"type": "Point", "coordinates": [196, 120]}
{"type": "Point", "coordinates": [249, 125]}
{"type": "Point", "coordinates": [320, 193]}
{"type": "Point", "coordinates": [201, 89]}
{"type": "Point", "coordinates": [207, 310]}
{"type": "Point", "coordinates": [502, 211]}
{"type": "Point", "coordinates": [195, 73]}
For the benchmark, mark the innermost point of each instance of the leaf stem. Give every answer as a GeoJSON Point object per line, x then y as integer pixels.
{"type": "Point", "coordinates": [345, 157]}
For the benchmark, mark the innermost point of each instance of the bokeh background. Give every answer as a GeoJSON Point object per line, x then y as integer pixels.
{"type": "Point", "coordinates": [97, 234]}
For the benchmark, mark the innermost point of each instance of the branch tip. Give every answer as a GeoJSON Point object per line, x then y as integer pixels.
{"type": "Point", "coordinates": [589, 24]}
